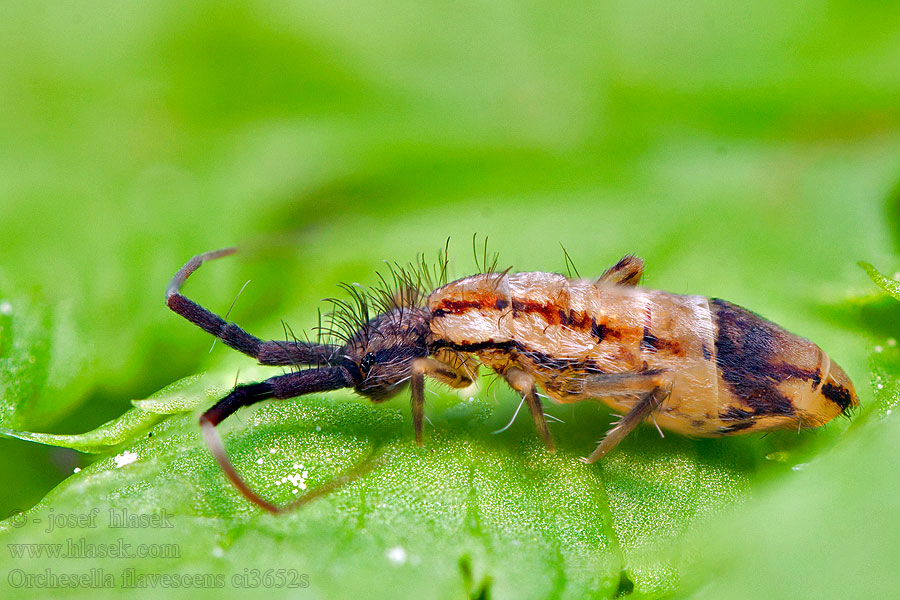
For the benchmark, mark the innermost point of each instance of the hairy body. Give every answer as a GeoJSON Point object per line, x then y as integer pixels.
{"type": "Point", "coordinates": [698, 366]}
{"type": "Point", "coordinates": [729, 370]}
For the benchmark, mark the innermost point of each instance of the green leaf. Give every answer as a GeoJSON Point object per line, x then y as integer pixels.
{"type": "Point", "coordinates": [836, 542]}
{"type": "Point", "coordinates": [742, 152]}
{"type": "Point", "coordinates": [457, 506]}
{"type": "Point", "coordinates": [180, 396]}
{"type": "Point", "coordinates": [25, 332]}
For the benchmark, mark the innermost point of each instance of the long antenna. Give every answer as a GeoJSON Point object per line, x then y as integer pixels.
{"type": "Point", "coordinates": [214, 442]}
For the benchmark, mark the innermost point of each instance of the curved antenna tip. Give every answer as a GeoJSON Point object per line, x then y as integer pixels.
{"type": "Point", "coordinates": [214, 442]}
{"type": "Point", "coordinates": [194, 264]}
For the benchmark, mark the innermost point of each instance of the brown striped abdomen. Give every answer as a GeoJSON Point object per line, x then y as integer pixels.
{"type": "Point", "coordinates": [730, 369]}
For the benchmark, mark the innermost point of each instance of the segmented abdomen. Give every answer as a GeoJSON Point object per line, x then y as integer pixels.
{"type": "Point", "coordinates": [730, 369]}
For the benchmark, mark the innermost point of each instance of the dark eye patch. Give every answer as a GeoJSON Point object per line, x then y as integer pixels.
{"type": "Point", "coordinates": [367, 361]}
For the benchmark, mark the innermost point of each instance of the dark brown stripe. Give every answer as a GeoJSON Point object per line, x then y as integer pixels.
{"type": "Point", "coordinates": [839, 395]}
{"type": "Point", "coordinates": [473, 346]}
{"type": "Point", "coordinates": [599, 331]}
{"type": "Point", "coordinates": [551, 312]}
{"type": "Point", "coordinates": [733, 427]}
{"type": "Point", "coordinates": [732, 413]}
{"type": "Point", "coordinates": [784, 371]}
{"type": "Point", "coordinates": [745, 348]}
{"type": "Point", "coordinates": [540, 359]}
{"type": "Point", "coordinates": [552, 363]}
{"type": "Point", "coordinates": [737, 419]}
{"type": "Point", "coordinates": [457, 307]}
{"type": "Point", "coordinates": [651, 343]}
{"type": "Point", "coordinates": [577, 320]}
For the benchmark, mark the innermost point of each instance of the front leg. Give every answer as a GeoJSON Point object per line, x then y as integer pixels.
{"type": "Point", "coordinates": [523, 383]}
{"type": "Point", "coordinates": [453, 375]}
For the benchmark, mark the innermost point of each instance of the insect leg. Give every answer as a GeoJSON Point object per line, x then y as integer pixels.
{"type": "Point", "coordinates": [608, 385]}
{"type": "Point", "coordinates": [627, 271]}
{"type": "Point", "coordinates": [282, 386]}
{"type": "Point", "coordinates": [646, 404]}
{"type": "Point", "coordinates": [436, 369]}
{"type": "Point", "coordinates": [268, 353]}
{"type": "Point", "coordinates": [523, 383]}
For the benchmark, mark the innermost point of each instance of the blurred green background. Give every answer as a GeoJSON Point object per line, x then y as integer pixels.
{"type": "Point", "coordinates": [744, 151]}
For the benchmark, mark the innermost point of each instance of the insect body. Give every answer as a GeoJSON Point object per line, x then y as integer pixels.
{"type": "Point", "coordinates": [702, 367]}
{"type": "Point", "coordinates": [697, 366]}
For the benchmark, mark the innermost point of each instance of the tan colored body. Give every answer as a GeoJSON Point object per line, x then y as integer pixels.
{"type": "Point", "coordinates": [728, 370]}
{"type": "Point", "coordinates": [696, 366]}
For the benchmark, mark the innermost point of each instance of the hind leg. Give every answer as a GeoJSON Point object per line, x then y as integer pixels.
{"type": "Point", "coordinates": [648, 402]}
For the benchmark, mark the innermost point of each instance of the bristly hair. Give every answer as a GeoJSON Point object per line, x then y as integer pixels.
{"type": "Point", "coordinates": [849, 410]}
{"type": "Point", "coordinates": [484, 266]}
{"type": "Point", "coordinates": [570, 264]}
{"type": "Point", "coordinates": [399, 288]}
